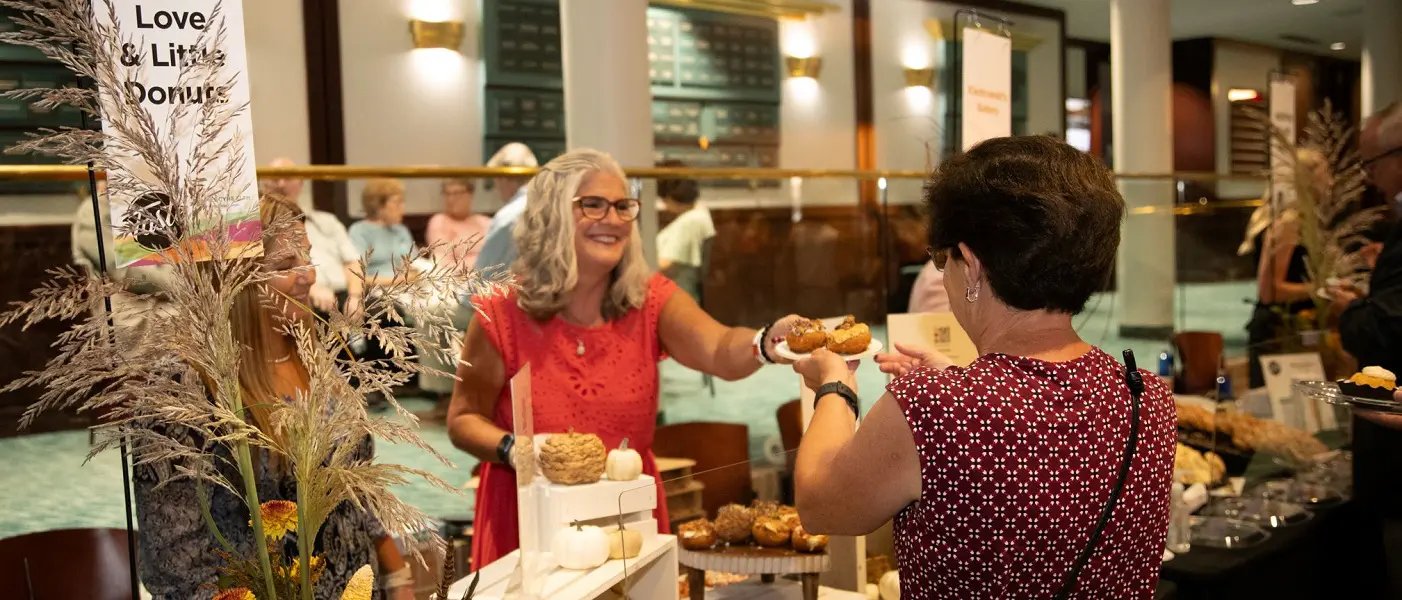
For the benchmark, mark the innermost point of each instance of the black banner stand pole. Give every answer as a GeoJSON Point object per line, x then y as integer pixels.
{"type": "Point", "coordinates": [100, 231]}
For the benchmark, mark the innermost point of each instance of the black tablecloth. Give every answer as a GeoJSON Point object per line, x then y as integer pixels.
{"type": "Point", "coordinates": [1325, 557]}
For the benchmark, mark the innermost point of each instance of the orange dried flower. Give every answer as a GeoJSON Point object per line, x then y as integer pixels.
{"type": "Point", "coordinates": [235, 594]}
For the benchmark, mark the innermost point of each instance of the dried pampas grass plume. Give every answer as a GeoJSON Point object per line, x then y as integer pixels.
{"type": "Point", "coordinates": [176, 378]}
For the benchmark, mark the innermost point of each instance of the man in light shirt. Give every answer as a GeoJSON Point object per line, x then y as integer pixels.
{"type": "Point", "coordinates": [143, 286]}
{"type": "Point", "coordinates": [335, 258]}
{"type": "Point", "coordinates": [498, 247]}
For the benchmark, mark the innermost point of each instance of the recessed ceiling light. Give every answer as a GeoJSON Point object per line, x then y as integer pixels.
{"type": "Point", "coordinates": [1304, 2]}
{"type": "Point", "coordinates": [1337, 46]}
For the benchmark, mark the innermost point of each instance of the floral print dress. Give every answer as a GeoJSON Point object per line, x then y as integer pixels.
{"type": "Point", "coordinates": [179, 557]}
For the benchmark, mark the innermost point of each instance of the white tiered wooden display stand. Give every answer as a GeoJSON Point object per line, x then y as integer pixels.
{"type": "Point", "coordinates": [652, 574]}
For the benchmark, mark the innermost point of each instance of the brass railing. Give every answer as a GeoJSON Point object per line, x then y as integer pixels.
{"type": "Point", "coordinates": [344, 172]}
{"type": "Point", "coordinates": [340, 172]}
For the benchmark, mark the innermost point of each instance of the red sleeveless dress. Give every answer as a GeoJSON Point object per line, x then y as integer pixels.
{"type": "Point", "coordinates": [610, 390]}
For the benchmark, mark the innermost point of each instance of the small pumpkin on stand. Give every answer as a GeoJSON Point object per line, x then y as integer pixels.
{"type": "Point", "coordinates": [624, 463]}
{"type": "Point", "coordinates": [572, 458]}
{"type": "Point", "coordinates": [580, 547]}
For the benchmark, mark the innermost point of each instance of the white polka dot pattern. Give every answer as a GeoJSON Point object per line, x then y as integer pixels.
{"type": "Point", "coordinates": [1018, 457]}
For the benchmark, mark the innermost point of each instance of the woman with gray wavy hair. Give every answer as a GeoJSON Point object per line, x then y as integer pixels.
{"type": "Point", "coordinates": [592, 320]}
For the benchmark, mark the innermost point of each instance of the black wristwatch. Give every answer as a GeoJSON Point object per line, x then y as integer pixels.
{"type": "Point", "coordinates": [504, 448]}
{"type": "Point", "coordinates": [837, 388]}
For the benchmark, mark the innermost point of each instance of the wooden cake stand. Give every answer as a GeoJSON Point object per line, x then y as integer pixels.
{"type": "Point", "coordinates": [753, 560]}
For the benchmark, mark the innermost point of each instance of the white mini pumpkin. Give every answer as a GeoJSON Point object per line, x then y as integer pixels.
{"type": "Point", "coordinates": [624, 463]}
{"type": "Point", "coordinates": [580, 547]}
{"type": "Point", "coordinates": [891, 585]}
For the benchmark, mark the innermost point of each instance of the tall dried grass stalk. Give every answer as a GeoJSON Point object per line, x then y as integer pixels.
{"type": "Point", "coordinates": [1333, 222]}
{"type": "Point", "coordinates": [181, 370]}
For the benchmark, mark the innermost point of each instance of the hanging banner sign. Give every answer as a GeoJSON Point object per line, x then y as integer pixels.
{"type": "Point", "coordinates": [156, 42]}
{"type": "Point", "coordinates": [988, 87]}
{"type": "Point", "coordinates": [1282, 109]}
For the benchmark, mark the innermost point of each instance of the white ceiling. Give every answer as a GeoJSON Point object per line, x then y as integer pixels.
{"type": "Point", "coordinates": [1260, 21]}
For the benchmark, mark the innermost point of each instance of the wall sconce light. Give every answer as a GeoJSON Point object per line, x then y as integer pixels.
{"type": "Point", "coordinates": [808, 66]}
{"type": "Point", "coordinates": [436, 34]}
{"type": "Point", "coordinates": [919, 77]}
{"type": "Point", "coordinates": [1243, 95]}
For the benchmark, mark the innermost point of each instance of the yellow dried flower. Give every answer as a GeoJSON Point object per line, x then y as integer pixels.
{"type": "Point", "coordinates": [235, 594]}
{"type": "Point", "coordinates": [279, 517]}
{"type": "Point", "coordinates": [316, 563]}
{"type": "Point", "coordinates": [360, 586]}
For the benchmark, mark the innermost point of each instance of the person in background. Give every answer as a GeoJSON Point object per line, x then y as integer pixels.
{"type": "Point", "coordinates": [997, 474]}
{"type": "Point", "coordinates": [381, 236]}
{"type": "Point", "coordinates": [129, 310]}
{"type": "Point", "coordinates": [498, 249]}
{"type": "Point", "coordinates": [928, 295]}
{"type": "Point", "coordinates": [1370, 328]}
{"type": "Point", "coordinates": [333, 254]}
{"type": "Point", "coordinates": [681, 244]}
{"type": "Point", "coordinates": [592, 321]}
{"type": "Point", "coordinates": [456, 233]}
{"type": "Point", "coordinates": [455, 236]}
{"type": "Point", "coordinates": [180, 558]}
{"type": "Point", "coordinates": [1282, 273]}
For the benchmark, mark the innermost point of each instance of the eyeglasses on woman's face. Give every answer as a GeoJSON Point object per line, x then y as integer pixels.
{"type": "Point", "coordinates": [597, 207]}
{"type": "Point", "coordinates": [941, 256]}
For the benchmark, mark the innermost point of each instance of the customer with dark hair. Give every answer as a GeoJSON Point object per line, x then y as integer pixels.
{"type": "Point", "coordinates": [998, 473]}
{"type": "Point", "coordinates": [681, 244]}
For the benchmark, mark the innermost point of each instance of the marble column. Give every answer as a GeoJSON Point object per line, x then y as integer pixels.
{"type": "Point", "coordinates": [1141, 80]}
{"type": "Point", "coordinates": [608, 91]}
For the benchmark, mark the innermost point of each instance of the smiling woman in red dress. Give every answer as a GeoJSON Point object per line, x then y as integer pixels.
{"type": "Point", "coordinates": [592, 321]}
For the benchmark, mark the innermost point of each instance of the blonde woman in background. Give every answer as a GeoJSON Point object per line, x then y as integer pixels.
{"type": "Point", "coordinates": [381, 236]}
{"type": "Point", "coordinates": [592, 320]}
{"type": "Point", "coordinates": [179, 558]}
{"type": "Point", "coordinates": [1282, 275]}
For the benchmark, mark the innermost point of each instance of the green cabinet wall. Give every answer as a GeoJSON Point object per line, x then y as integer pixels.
{"type": "Point", "coordinates": [24, 67]}
{"type": "Point", "coordinates": [715, 77]}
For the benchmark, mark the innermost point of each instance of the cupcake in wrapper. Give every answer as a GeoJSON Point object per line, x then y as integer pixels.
{"type": "Point", "coordinates": [1375, 383]}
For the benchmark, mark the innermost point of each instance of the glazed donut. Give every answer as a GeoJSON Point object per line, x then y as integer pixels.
{"type": "Point", "coordinates": [771, 531]}
{"type": "Point", "coordinates": [697, 535]}
{"type": "Point", "coordinates": [850, 338]}
{"type": "Point", "coordinates": [805, 542]}
{"type": "Point", "coordinates": [806, 336]}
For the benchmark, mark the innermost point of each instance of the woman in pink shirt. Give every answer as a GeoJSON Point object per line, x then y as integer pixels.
{"type": "Point", "coordinates": [456, 233]}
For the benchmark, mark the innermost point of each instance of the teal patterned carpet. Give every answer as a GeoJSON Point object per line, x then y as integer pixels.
{"type": "Point", "coordinates": [45, 484]}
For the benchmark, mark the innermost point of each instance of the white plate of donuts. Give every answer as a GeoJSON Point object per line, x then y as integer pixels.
{"type": "Point", "coordinates": [843, 336]}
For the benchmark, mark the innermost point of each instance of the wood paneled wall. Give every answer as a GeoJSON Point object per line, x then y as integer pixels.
{"type": "Point", "coordinates": [29, 251]}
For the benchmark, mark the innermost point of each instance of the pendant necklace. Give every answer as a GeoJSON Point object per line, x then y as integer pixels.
{"type": "Point", "coordinates": [285, 358]}
{"type": "Point", "coordinates": [579, 341]}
